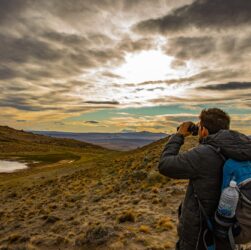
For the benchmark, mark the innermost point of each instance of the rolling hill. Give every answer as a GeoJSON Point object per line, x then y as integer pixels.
{"type": "Point", "coordinates": [37, 150]}
{"type": "Point", "coordinates": [104, 199]}
{"type": "Point", "coordinates": [11, 135]}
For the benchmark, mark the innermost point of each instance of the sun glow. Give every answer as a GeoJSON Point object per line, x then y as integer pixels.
{"type": "Point", "coordinates": [149, 65]}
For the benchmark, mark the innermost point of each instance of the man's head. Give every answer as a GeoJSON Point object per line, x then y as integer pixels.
{"type": "Point", "coordinates": [212, 120]}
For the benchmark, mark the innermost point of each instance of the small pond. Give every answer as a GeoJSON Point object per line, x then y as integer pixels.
{"type": "Point", "coordinates": [11, 166]}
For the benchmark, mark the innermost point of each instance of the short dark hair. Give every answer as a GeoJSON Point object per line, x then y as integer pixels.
{"type": "Point", "coordinates": [214, 119]}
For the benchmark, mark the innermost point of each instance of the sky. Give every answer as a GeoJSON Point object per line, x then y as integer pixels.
{"type": "Point", "coordinates": [123, 65]}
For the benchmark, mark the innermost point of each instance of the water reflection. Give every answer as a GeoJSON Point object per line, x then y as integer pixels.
{"type": "Point", "coordinates": [11, 166]}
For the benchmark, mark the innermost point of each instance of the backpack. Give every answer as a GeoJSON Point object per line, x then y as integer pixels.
{"type": "Point", "coordinates": [238, 229]}
{"type": "Point", "coordinates": [240, 171]}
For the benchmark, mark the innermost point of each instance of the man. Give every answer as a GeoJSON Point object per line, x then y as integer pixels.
{"type": "Point", "coordinates": [202, 166]}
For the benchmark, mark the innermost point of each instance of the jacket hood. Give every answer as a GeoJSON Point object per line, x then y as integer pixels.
{"type": "Point", "coordinates": [232, 144]}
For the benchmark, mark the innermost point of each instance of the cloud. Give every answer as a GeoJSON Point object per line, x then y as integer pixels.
{"type": "Point", "coordinates": [202, 77]}
{"type": "Point", "coordinates": [21, 103]}
{"type": "Point", "coordinates": [191, 47]}
{"type": "Point", "coordinates": [59, 123]}
{"type": "Point", "coordinates": [111, 75]}
{"type": "Point", "coordinates": [59, 58]}
{"type": "Point", "coordinates": [129, 45]}
{"type": "Point", "coordinates": [67, 39]}
{"type": "Point", "coordinates": [21, 121]}
{"type": "Point", "coordinates": [103, 102]}
{"type": "Point", "coordinates": [228, 49]}
{"type": "Point", "coordinates": [10, 9]}
{"type": "Point", "coordinates": [7, 73]}
{"type": "Point", "coordinates": [157, 88]}
{"type": "Point", "coordinates": [227, 86]}
{"type": "Point", "coordinates": [25, 49]}
{"type": "Point", "coordinates": [92, 122]}
{"type": "Point", "coordinates": [201, 14]}
{"type": "Point", "coordinates": [176, 64]}
{"type": "Point", "coordinates": [151, 123]}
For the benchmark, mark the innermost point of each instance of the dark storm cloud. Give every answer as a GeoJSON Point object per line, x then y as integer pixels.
{"type": "Point", "coordinates": [157, 88]}
{"type": "Point", "coordinates": [22, 103]}
{"type": "Point", "coordinates": [227, 86]}
{"type": "Point", "coordinates": [132, 46]}
{"type": "Point", "coordinates": [103, 102]}
{"type": "Point", "coordinates": [203, 76]}
{"type": "Point", "coordinates": [20, 50]}
{"type": "Point", "coordinates": [11, 9]}
{"type": "Point", "coordinates": [39, 41]}
{"type": "Point", "coordinates": [151, 89]}
{"type": "Point", "coordinates": [51, 61]}
{"type": "Point", "coordinates": [82, 55]}
{"type": "Point", "coordinates": [92, 122]}
{"type": "Point", "coordinates": [77, 40]}
{"type": "Point", "coordinates": [32, 97]}
{"type": "Point", "coordinates": [66, 39]}
{"type": "Point", "coordinates": [228, 49]}
{"type": "Point", "coordinates": [42, 73]}
{"type": "Point", "coordinates": [190, 47]}
{"type": "Point", "coordinates": [196, 98]}
{"type": "Point", "coordinates": [215, 14]}
{"type": "Point", "coordinates": [7, 73]}
{"type": "Point", "coordinates": [35, 100]}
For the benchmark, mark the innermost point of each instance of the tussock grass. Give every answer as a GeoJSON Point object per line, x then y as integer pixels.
{"type": "Point", "coordinates": [80, 196]}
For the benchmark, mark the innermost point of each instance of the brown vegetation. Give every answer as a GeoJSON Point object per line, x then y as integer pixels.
{"type": "Point", "coordinates": [103, 200]}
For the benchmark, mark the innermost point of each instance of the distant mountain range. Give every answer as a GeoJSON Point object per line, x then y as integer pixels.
{"type": "Point", "coordinates": [125, 140]}
{"type": "Point", "coordinates": [12, 139]}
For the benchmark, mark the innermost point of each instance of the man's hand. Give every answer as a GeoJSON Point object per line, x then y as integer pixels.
{"type": "Point", "coordinates": [183, 129]}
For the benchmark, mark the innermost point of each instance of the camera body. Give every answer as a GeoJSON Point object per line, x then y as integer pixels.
{"type": "Point", "coordinates": [193, 129]}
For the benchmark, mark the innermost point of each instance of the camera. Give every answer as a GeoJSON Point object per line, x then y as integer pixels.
{"type": "Point", "coordinates": [193, 129]}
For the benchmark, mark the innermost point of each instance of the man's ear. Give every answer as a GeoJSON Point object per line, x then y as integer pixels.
{"type": "Point", "coordinates": [204, 132]}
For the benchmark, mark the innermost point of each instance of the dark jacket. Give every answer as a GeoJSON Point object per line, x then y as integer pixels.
{"type": "Point", "coordinates": [202, 165]}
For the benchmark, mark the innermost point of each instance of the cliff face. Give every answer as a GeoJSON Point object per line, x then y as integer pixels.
{"type": "Point", "coordinates": [103, 200]}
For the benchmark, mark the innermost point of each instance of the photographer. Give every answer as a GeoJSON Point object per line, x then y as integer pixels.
{"type": "Point", "coordinates": [202, 165]}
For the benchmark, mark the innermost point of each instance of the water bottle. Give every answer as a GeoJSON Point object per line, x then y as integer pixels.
{"type": "Point", "coordinates": [228, 201]}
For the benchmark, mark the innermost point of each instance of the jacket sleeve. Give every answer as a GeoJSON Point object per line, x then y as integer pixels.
{"type": "Point", "coordinates": [175, 165]}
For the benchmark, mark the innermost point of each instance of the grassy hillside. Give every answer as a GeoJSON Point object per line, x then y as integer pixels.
{"type": "Point", "coordinates": [103, 200]}
{"type": "Point", "coordinates": [11, 140]}
{"type": "Point", "coordinates": [39, 150]}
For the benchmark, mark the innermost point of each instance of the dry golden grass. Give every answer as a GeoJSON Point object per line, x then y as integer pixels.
{"type": "Point", "coordinates": [107, 199]}
{"type": "Point", "coordinates": [126, 216]}
{"type": "Point", "coordinates": [144, 229]}
{"type": "Point", "coordinates": [165, 223]}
